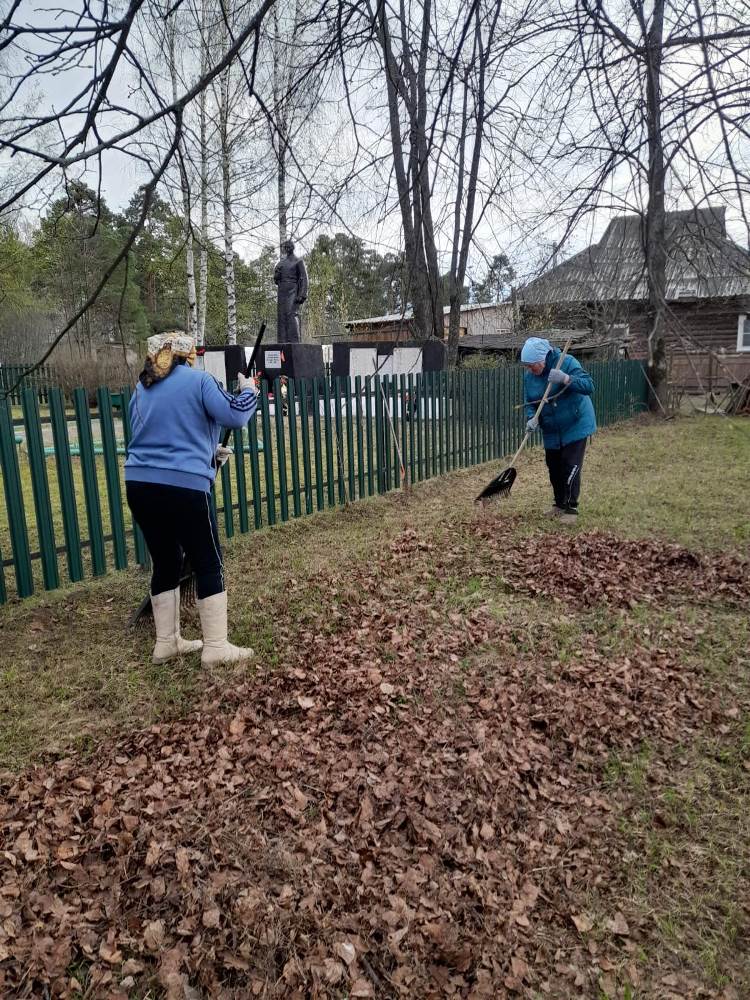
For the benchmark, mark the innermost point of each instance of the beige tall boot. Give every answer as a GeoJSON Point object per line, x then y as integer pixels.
{"type": "Point", "coordinates": [216, 647]}
{"type": "Point", "coordinates": [169, 642]}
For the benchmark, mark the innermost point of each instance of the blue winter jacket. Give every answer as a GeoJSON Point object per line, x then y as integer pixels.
{"type": "Point", "coordinates": [176, 425]}
{"type": "Point", "coordinates": [568, 414]}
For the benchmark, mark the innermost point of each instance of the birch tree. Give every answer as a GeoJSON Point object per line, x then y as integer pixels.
{"type": "Point", "coordinates": [204, 174]}
{"type": "Point", "coordinates": [182, 166]}
{"type": "Point", "coordinates": [664, 87]}
{"type": "Point", "coordinates": [297, 83]}
{"type": "Point", "coordinates": [226, 194]}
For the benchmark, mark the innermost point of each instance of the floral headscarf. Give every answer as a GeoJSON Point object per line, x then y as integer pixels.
{"type": "Point", "coordinates": [165, 351]}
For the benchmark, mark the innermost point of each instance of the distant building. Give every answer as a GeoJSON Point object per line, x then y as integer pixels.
{"type": "Point", "coordinates": [708, 295]}
{"type": "Point", "coordinates": [477, 320]}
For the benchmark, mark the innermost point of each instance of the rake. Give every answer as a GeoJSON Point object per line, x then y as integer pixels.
{"type": "Point", "coordinates": [145, 612]}
{"type": "Point", "coordinates": [501, 485]}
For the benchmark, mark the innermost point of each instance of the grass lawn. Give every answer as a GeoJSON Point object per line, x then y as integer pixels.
{"type": "Point", "coordinates": [526, 748]}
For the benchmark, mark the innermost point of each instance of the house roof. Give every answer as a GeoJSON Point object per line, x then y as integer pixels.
{"type": "Point", "coordinates": [408, 314]}
{"type": "Point", "coordinates": [405, 317]}
{"type": "Point", "coordinates": [702, 262]}
{"type": "Point", "coordinates": [514, 342]}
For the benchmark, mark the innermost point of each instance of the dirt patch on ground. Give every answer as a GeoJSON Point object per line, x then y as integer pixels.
{"type": "Point", "coordinates": [407, 807]}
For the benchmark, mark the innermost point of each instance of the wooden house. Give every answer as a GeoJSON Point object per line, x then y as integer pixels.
{"type": "Point", "coordinates": [708, 295]}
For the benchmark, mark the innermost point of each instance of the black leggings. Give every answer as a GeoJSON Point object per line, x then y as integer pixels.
{"type": "Point", "coordinates": [564, 466]}
{"type": "Point", "coordinates": [176, 521]}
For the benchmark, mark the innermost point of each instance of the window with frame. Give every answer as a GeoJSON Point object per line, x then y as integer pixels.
{"type": "Point", "coordinates": [743, 333]}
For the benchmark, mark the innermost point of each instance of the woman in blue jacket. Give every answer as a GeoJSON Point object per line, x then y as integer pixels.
{"type": "Point", "coordinates": [566, 421]}
{"type": "Point", "coordinates": [176, 413]}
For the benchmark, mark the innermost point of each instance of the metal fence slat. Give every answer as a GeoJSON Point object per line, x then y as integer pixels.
{"type": "Point", "coordinates": [19, 538]}
{"type": "Point", "coordinates": [304, 395]}
{"type": "Point", "coordinates": [278, 411]}
{"type": "Point", "coordinates": [142, 556]}
{"type": "Point", "coordinates": [268, 453]}
{"type": "Point", "coordinates": [112, 476]}
{"type": "Point", "coordinates": [294, 447]}
{"type": "Point", "coordinates": [90, 482]}
{"type": "Point", "coordinates": [40, 488]}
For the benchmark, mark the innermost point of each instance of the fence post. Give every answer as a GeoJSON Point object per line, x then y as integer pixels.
{"type": "Point", "coordinates": [419, 399]}
{"type": "Point", "coordinates": [225, 477]}
{"type": "Point", "coordinates": [434, 425]}
{"type": "Point", "coordinates": [369, 417]}
{"type": "Point", "coordinates": [329, 443]}
{"type": "Point", "coordinates": [379, 444]}
{"type": "Point", "coordinates": [305, 428]}
{"type": "Point", "coordinates": [238, 444]}
{"type": "Point", "coordinates": [412, 422]}
{"type": "Point", "coordinates": [360, 437]}
{"type": "Point", "coordinates": [404, 430]}
{"type": "Point", "coordinates": [339, 429]}
{"type": "Point", "coordinates": [278, 410]}
{"type": "Point", "coordinates": [268, 453]}
{"type": "Point", "coordinates": [90, 482]}
{"type": "Point", "coordinates": [294, 447]}
{"type": "Point", "coordinates": [40, 488]}
{"type": "Point", "coordinates": [449, 421]}
{"type": "Point", "coordinates": [139, 542]}
{"type": "Point", "coordinates": [19, 537]}
{"type": "Point", "coordinates": [254, 456]}
{"type": "Point", "coordinates": [349, 436]}
{"type": "Point", "coordinates": [490, 383]}
{"type": "Point", "coordinates": [317, 445]}
{"type": "Point", "coordinates": [429, 439]}
{"type": "Point", "coordinates": [112, 476]}
{"type": "Point", "coordinates": [440, 395]}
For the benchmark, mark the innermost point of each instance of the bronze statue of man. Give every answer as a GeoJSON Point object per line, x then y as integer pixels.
{"type": "Point", "coordinates": [290, 277]}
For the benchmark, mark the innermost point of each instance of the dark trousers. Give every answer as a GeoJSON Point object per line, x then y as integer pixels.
{"type": "Point", "coordinates": [177, 522]}
{"type": "Point", "coordinates": [564, 465]}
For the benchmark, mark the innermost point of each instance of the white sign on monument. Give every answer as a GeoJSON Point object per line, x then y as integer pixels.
{"type": "Point", "coordinates": [407, 361]}
{"type": "Point", "coordinates": [362, 361]}
{"type": "Point", "coordinates": [213, 362]}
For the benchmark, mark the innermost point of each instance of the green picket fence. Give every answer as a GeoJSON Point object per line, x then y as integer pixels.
{"type": "Point", "coordinates": [65, 517]}
{"type": "Point", "coordinates": [41, 379]}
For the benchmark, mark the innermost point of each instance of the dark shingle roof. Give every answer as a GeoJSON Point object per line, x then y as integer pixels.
{"type": "Point", "coordinates": [511, 342]}
{"type": "Point", "coordinates": [702, 262]}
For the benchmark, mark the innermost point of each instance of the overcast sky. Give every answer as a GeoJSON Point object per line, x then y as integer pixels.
{"type": "Point", "coordinates": [517, 232]}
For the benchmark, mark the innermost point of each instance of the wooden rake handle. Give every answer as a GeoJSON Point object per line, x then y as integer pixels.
{"type": "Point", "coordinates": [542, 401]}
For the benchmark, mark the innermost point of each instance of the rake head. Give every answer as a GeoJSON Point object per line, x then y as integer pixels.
{"type": "Point", "coordinates": [500, 485]}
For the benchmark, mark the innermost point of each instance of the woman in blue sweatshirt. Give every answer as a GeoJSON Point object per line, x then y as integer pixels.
{"type": "Point", "coordinates": [567, 419]}
{"type": "Point", "coordinates": [176, 413]}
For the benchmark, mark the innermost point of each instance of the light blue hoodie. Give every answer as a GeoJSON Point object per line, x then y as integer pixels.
{"type": "Point", "coordinates": [176, 425]}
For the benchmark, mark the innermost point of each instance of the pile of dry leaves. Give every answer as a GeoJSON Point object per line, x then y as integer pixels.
{"type": "Point", "coordinates": [597, 567]}
{"type": "Point", "coordinates": [406, 809]}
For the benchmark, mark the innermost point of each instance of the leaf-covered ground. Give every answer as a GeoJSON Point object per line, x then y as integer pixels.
{"type": "Point", "coordinates": [480, 757]}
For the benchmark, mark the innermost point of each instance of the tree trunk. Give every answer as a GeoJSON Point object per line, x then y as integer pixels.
{"type": "Point", "coordinates": [432, 268]}
{"type": "Point", "coordinates": [395, 88]}
{"type": "Point", "coordinates": [192, 305]}
{"type": "Point", "coordinates": [464, 225]}
{"type": "Point", "coordinates": [281, 184]}
{"type": "Point", "coordinates": [226, 179]}
{"type": "Point", "coordinates": [203, 276]}
{"type": "Point", "coordinates": [655, 236]}
{"type": "Point", "coordinates": [280, 138]}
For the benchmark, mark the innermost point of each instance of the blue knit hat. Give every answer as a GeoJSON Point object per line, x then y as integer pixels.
{"type": "Point", "coordinates": [535, 349]}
